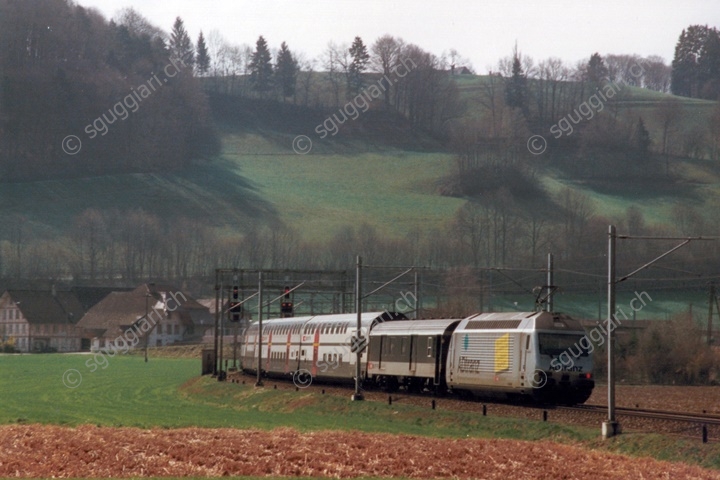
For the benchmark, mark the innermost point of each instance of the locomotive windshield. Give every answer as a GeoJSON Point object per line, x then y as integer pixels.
{"type": "Point", "coordinates": [554, 344]}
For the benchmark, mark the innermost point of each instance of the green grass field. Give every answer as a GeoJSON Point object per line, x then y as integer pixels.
{"type": "Point", "coordinates": [209, 192]}
{"type": "Point", "coordinates": [320, 192]}
{"type": "Point", "coordinates": [168, 392]}
{"type": "Point", "coordinates": [664, 304]}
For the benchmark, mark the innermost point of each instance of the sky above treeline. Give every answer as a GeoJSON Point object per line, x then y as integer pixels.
{"type": "Point", "coordinates": [482, 31]}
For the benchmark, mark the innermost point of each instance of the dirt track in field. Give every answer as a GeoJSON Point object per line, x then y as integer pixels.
{"type": "Point", "coordinates": [88, 451]}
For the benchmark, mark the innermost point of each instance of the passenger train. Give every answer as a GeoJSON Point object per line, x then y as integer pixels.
{"type": "Point", "coordinates": [511, 355]}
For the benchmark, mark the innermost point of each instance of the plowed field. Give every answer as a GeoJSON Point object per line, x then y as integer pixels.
{"type": "Point", "coordinates": [88, 451]}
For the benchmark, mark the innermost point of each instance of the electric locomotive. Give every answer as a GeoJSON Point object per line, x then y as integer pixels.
{"type": "Point", "coordinates": [534, 354]}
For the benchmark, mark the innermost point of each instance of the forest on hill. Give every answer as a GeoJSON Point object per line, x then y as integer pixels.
{"type": "Point", "coordinates": [123, 90]}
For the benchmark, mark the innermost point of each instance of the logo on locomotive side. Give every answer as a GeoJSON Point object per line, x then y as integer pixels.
{"type": "Point", "coordinates": [563, 368]}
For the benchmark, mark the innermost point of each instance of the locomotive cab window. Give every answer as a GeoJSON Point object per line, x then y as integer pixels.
{"type": "Point", "coordinates": [554, 344]}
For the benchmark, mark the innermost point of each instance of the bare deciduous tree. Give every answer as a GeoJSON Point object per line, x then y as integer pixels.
{"type": "Point", "coordinates": [385, 56]}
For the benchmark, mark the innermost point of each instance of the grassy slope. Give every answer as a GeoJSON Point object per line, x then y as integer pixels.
{"type": "Point", "coordinates": [342, 181]}
{"type": "Point", "coordinates": [393, 189]}
{"type": "Point", "coordinates": [213, 193]}
{"type": "Point", "coordinates": [169, 393]}
{"type": "Point", "coordinates": [701, 184]}
{"type": "Point", "coordinates": [320, 192]}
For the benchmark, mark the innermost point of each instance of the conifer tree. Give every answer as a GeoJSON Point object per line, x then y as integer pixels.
{"type": "Point", "coordinates": [202, 59]}
{"type": "Point", "coordinates": [358, 65]}
{"type": "Point", "coordinates": [181, 47]}
{"type": "Point", "coordinates": [286, 71]}
{"type": "Point", "coordinates": [261, 70]}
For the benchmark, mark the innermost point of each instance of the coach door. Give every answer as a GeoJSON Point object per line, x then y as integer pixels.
{"type": "Point", "coordinates": [381, 350]}
{"type": "Point", "coordinates": [440, 355]}
{"type": "Point", "coordinates": [412, 364]}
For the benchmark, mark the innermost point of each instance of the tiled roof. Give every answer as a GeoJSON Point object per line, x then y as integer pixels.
{"type": "Point", "coordinates": [116, 309]}
{"type": "Point", "coordinates": [42, 307]}
{"type": "Point", "coordinates": [91, 296]}
{"type": "Point", "coordinates": [123, 309]}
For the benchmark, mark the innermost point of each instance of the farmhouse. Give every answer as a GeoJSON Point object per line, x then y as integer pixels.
{"type": "Point", "coordinates": [461, 70]}
{"type": "Point", "coordinates": [160, 314]}
{"type": "Point", "coordinates": [40, 320]}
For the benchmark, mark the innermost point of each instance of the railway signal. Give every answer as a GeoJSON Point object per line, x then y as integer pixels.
{"type": "Point", "coordinates": [286, 307]}
{"type": "Point", "coordinates": [235, 305]}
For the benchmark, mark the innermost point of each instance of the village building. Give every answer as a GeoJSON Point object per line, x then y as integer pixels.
{"type": "Point", "coordinates": [158, 315]}
{"type": "Point", "coordinates": [40, 321]}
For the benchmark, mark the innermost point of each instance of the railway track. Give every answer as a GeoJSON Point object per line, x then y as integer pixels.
{"type": "Point", "coordinates": [658, 421]}
{"type": "Point", "coordinates": [688, 417]}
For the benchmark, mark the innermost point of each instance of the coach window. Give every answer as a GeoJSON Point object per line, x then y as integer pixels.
{"type": "Point", "coordinates": [429, 346]}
